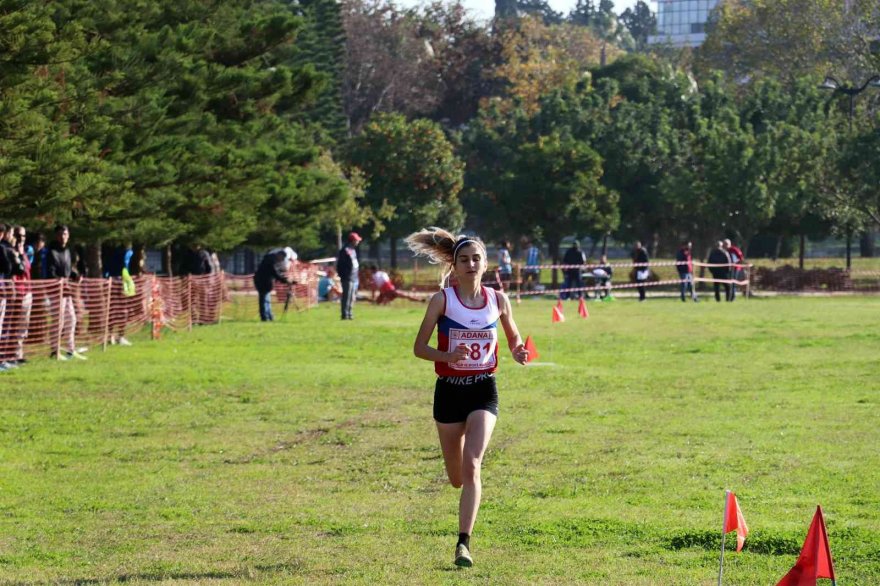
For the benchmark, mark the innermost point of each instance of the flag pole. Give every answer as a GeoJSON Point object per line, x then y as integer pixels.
{"type": "Point", "coordinates": [723, 535]}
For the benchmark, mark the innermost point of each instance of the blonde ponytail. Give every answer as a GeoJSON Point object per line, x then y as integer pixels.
{"type": "Point", "coordinates": [439, 247]}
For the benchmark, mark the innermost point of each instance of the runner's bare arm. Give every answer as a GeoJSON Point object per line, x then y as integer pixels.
{"type": "Point", "coordinates": [421, 348]}
{"type": "Point", "coordinates": [514, 340]}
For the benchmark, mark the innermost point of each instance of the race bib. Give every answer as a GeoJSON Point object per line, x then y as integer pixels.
{"type": "Point", "coordinates": [481, 348]}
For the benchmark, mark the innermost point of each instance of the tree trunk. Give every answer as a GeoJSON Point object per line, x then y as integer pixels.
{"type": "Point", "coordinates": [778, 248]}
{"type": "Point", "coordinates": [393, 253]}
{"type": "Point", "coordinates": [866, 244]}
{"type": "Point", "coordinates": [605, 244]}
{"type": "Point", "coordinates": [655, 244]}
{"type": "Point", "coordinates": [553, 249]}
{"type": "Point", "coordinates": [166, 261]}
{"type": "Point", "coordinates": [94, 269]}
{"type": "Point", "coordinates": [801, 252]}
{"type": "Point", "coordinates": [849, 248]}
{"type": "Point", "coordinates": [593, 244]}
{"type": "Point", "coordinates": [374, 251]}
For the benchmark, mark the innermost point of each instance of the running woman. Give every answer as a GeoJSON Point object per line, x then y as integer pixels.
{"type": "Point", "coordinates": [466, 316]}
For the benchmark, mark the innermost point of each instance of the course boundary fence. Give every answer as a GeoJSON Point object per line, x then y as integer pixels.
{"type": "Point", "coordinates": [60, 316]}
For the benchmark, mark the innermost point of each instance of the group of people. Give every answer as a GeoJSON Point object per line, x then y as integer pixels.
{"type": "Point", "coordinates": [23, 260]}
{"type": "Point", "coordinates": [726, 264]}
{"type": "Point", "coordinates": [573, 284]}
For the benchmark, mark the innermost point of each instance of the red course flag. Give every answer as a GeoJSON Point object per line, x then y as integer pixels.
{"type": "Point", "coordinates": [557, 314]}
{"type": "Point", "coordinates": [582, 310]}
{"type": "Point", "coordinates": [733, 519]}
{"type": "Point", "coordinates": [530, 348]}
{"type": "Point", "coordinates": [815, 559]}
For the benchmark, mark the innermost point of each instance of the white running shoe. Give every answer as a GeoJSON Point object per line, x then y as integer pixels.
{"type": "Point", "coordinates": [123, 341]}
{"type": "Point", "coordinates": [463, 557]}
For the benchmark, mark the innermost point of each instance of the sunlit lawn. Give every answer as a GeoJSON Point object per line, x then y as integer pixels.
{"type": "Point", "coordinates": [303, 451]}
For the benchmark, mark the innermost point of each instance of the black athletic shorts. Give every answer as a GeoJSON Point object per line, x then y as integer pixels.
{"type": "Point", "coordinates": [456, 397]}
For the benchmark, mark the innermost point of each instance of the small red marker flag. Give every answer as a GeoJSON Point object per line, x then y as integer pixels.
{"type": "Point", "coordinates": [558, 316]}
{"type": "Point", "coordinates": [815, 559]}
{"type": "Point", "coordinates": [734, 519]}
{"type": "Point", "coordinates": [531, 349]}
{"type": "Point", "coordinates": [582, 310]}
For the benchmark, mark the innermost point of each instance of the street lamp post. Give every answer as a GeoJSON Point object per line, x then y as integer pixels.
{"type": "Point", "coordinates": [852, 91]}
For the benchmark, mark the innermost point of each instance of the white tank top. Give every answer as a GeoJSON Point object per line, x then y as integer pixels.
{"type": "Point", "coordinates": [474, 327]}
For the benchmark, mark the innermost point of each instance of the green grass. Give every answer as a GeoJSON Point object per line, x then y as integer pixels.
{"type": "Point", "coordinates": [303, 451]}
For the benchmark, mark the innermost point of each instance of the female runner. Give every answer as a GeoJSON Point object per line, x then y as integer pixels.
{"type": "Point", "coordinates": [465, 397]}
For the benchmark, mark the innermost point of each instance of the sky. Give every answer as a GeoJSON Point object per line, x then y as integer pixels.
{"type": "Point", "coordinates": [484, 9]}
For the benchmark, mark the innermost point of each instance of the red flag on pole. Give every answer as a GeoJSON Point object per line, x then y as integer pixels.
{"type": "Point", "coordinates": [733, 519]}
{"type": "Point", "coordinates": [582, 310]}
{"type": "Point", "coordinates": [531, 349]}
{"type": "Point", "coordinates": [557, 314]}
{"type": "Point", "coordinates": [815, 559]}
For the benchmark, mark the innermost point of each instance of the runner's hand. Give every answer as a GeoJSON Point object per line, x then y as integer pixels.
{"type": "Point", "coordinates": [460, 353]}
{"type": "Point", "coordinates": [520, 354]}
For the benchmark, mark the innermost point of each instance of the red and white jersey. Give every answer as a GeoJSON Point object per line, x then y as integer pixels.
{"type": "Point", "coordinates": [474, 327]}
{"type": "Point", "coordinates": [382, 281]}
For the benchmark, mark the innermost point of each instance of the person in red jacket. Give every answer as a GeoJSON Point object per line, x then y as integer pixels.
{"type": "Point", "coordinates": [738, 259]}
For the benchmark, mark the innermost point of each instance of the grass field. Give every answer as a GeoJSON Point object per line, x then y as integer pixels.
{"type": "Point", "coordinates": [303, 451]}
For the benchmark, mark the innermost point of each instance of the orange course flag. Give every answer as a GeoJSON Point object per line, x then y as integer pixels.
{"type": "Point", "coordinates": [557, 314]}
{"type": "Point", "coordinates": [815, 559]}
{"type": "Point", "coordinates": [582, 310]}
{"type": "Point", "coordinates": [733, 519]}
{"type": "Point", "coordinates": [531, 349]}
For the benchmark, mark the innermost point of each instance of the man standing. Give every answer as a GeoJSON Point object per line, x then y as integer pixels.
{"type": "Point", "coordinates": [273, 267]}
{"type": "Point", "coordinates": [59, 266]}
{"type": "Point", "coordinates": [736, 258]}
{"type": "Point", "coordinates": [533, 259]}
{"type": "Point", "coordinates": [640, 258]}
{"type": "Point", "coordinates": [572, 275]}
{"type": "Point", "coordinates": [684, 264]}
{"type": "Point", "coordinates": [719, 266]}
{"type": "Point", "coordinates": [347, 268]}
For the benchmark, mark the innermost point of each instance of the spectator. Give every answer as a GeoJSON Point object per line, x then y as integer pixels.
{"type": "Point", "coordinates": [641, 270]}
{"type": "Point", "coordinates": [59, 265]}
{"type": "Point", "coordinates": [533, 259]}
{"type": "Point", "coordinates": [572, 276]}
{"type": "Point", "coordinates": [119, 267]}
{"type": "Point", "coordinates": [603, 274]}
{"type": "Point", "coordinates": [273, 267]}
{"type": "Point", "coordinates": [347, 267]}
{"type": "Point", "coordinates": [387, 291]}
{"type": "Point", "coordinates": [505, 264]}
{"type": "Point", "coordinates": [329, 287]}
{"type": "Point", "coordinates": [719, 266]}
{"type": "Point", "coordinates": [200, 260]}
{"type": "Point", "coordinates": [24, 297]}
{"type": "Point", "coordinates": [11, 266]}
{"type": "Point", "coordinates": [684, 264]}
{"type": "Point", "coordinates": [736, 272]}
{"type": "Point", "coordinates": [38, 269]}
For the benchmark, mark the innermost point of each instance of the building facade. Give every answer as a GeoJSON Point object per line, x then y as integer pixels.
{"type": "Point", "coordinates": [682, 23]}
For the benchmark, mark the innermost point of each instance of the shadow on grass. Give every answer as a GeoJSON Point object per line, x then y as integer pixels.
{"type": "Point", "coordinates": [159, 576]}
{"type": "Point", "coordinates": [760, 543]}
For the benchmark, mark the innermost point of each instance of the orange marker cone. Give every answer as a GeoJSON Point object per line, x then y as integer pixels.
{"type": "Point", "coordinates": [558, 316]}
{"type": "Point", "coordinates": [532, 350]}
{"type": "Point", "coordinates": [582, 309]}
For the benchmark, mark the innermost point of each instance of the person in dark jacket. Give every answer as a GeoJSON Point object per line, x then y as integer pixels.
{"type": "Point", "coordinates": [719, 261]}
{"type": "Point", "coordinates": [59, 265]}
{"type": "Point", "coordinates": [640, 258]}
{"type": "Point", "coordinates": [347, 269]}
{"type": "Point", "coordinates": [273, 267]}
{"type": "Point", "coordinates": [684, 264]}
{"type": "Point", "coordinates": [572, 278]}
